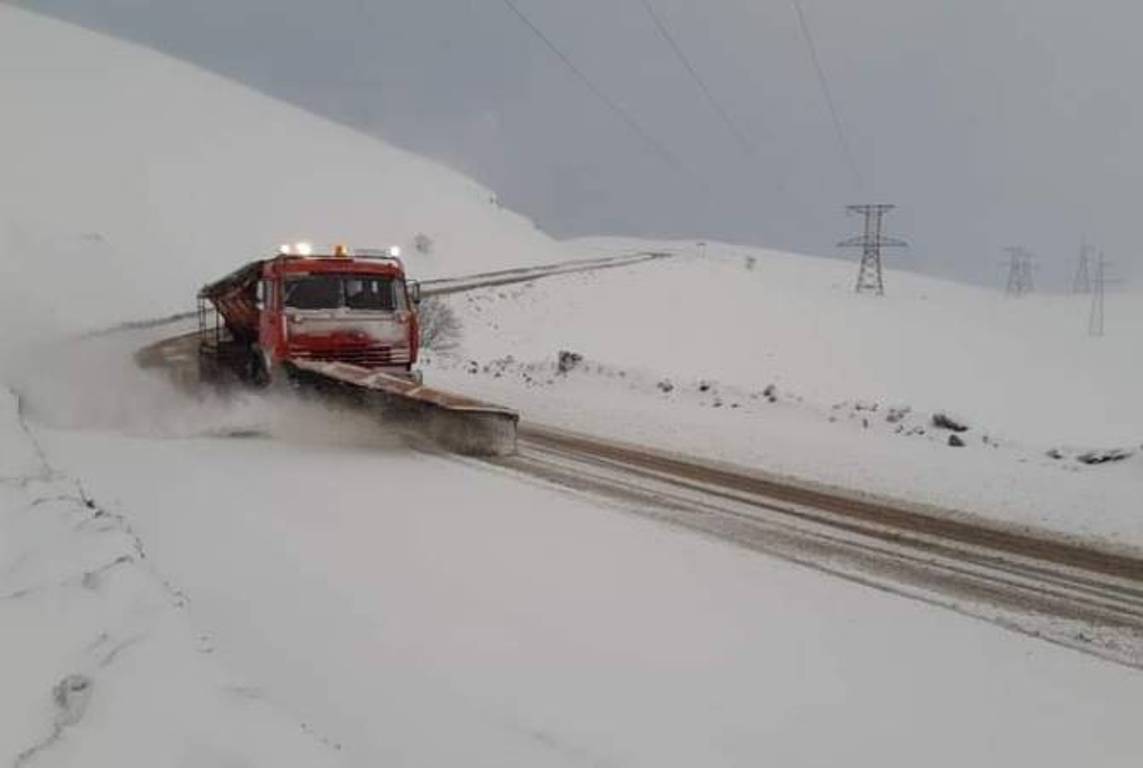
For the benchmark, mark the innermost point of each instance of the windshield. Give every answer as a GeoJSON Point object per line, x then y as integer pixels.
{"type": "Point", "coordinates": [351, 292]}
{"type": "Point", "coordinates": [314, 292]}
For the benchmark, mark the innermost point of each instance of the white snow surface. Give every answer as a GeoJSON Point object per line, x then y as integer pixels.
{"type": "Point", "coordinates": [1023, 375]}
{"type": "Point", "coordinates": [82, 606]}
{"type": "Point", "coordinates": [320, 594]}
{"type": "Point", "coordinates": [132, 178]}
{"type": "Point", "coordinates": [424, 610]}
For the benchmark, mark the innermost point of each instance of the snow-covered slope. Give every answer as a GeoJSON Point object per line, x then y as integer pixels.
{"type": "Point", "coordinates": [130, 178]}
{"type": "Point", "coordinates": [770, 360]}
{"type": "Point", "coordinates": [1025, 368]}
{"type": "Point", "coordinates": [179, 597]}
{"type": "Point", "coordinates": [100, 661]}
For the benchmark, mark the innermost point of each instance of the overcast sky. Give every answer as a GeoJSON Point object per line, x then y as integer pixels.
{"type": "Point", "coordinates": [989, 122]}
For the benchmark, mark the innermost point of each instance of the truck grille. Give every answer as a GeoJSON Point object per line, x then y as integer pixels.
{"type": "Point", "coordinates": [374, 356]}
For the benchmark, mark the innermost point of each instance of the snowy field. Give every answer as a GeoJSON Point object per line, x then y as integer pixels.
{"type": "Point", "coordinates": [393, 607]}
{"type": "Point", "coordinates": [230, 582]}
{"type": "Point", "coordinates": [781, 367]}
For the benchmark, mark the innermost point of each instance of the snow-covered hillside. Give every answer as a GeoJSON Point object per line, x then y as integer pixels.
{"type": "Point", "coordinates": [771, 361]}
{"type": "Point", "coordinates": [221, 581]}
{"type": "Point", "coordinates": [129, 179]}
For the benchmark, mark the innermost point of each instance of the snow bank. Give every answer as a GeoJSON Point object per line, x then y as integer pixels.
{"type": "Point", "coordinates": [100, 663]}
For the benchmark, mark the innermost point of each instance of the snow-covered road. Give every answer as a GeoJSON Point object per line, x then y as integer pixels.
{"type": "Point", "coordinates": [1048, 587]}
{"type": "Point", "coordinates": [421, 610]}
{"type": "Point", "coordinates": [447, 285]}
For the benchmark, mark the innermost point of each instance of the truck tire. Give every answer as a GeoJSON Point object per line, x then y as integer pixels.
{"type": "Point", "coordinates": [258, 371]}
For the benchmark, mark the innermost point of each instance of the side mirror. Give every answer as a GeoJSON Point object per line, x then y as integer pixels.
{"type": "Point", "coordinates": [415, 292]}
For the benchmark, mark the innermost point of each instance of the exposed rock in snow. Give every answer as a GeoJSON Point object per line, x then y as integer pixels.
{"type": "Point", "coordinates": [896, 414]}
{"type": "Point", "coordinates": [944, 421]}
{"type": "Point", "coordinates": [1103, 457]}
{"type": "Point", "coordinates": [567, 361]}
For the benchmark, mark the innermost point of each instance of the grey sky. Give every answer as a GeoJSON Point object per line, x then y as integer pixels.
{"type": "Point", "coordinates": [989, 122]}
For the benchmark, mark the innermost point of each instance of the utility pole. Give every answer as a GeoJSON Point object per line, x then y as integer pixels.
{"type": "Point", "coordinates": [871, 241]}
{"type": "Point", "coordinates": [1019, 271]}
{"type": "Point", "coordinates": [1082, 282]}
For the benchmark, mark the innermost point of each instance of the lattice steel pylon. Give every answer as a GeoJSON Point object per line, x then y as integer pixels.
{"type": "Point", "coordinates": [871, 241]}
{"type": "Point", "coordinates": [1019, 271]}
{"type": "Point", "coordinates": [1099, 282]}
{"type": "Point", "coordinates": [1082, 282]}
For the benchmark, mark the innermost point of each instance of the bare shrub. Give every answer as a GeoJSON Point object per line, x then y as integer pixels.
{"type": "Point", "coordinates": [440, 326]}
{"type": "Point", "coordinates": [423, 243]}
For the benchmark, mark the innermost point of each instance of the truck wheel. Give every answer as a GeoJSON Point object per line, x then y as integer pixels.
{"type": "Point", "coordinates": [258, 369]}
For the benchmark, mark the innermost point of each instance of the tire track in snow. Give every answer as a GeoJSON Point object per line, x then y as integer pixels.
{"type": "Point", "coordinates": [1059, 591]}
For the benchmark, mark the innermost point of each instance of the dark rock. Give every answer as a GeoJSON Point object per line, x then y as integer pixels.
{"type": "Point", "coordinates": [568, 360]}
{"type": "Point", "coordinates": [665, 386]}
{"type": "Point", "coordinates": [704, 386]}
{"type": "Point", "coordinates": [955, 441]}
{"type": "Point", "coordinates": [944, 421]}
{"type": "Point", "coordinates": [895, 415]}
{"type": "Point", "coordinates": [771, 392]}
{"type": "Point", "coordinates": [1103, 457]}
{"type": "Point", "coordinates": [1055, 453]}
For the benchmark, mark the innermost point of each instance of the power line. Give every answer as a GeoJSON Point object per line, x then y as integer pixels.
{"type": "Point", "coordinates": [664, 154]}
{"type": "Point", "coordinates": [723, 115]}
{"type": "Point", "coordinates": [839, 128]}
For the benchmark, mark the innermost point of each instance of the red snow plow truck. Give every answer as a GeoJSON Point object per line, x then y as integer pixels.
{"type": "Point", "coordinates": [343, 306]}
{"type": "Point", "coordinates": [341, 322]}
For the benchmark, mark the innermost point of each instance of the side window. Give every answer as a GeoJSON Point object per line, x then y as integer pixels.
{"type": "Point", "coordinates": [260, 294]}
{"type": "Point", "coordinates": [371, 293]}
{"type": "Point", "coordinates": [399, 302]}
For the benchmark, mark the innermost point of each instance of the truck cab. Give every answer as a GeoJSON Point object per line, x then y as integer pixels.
{"type": "Point", "coordinates": [346, 306]}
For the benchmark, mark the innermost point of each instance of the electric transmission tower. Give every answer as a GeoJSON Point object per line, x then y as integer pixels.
{"type": "Point", "coordinates": [1082, 282]}
{"type": "Point", "coordinates": [1019, 271]}
{"type": "Point", "coordinates": [871, 241]}
{"type": "Point", "coordinates": [1099, 281]}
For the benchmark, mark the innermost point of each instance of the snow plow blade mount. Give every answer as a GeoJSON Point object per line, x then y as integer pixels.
{"type": "Point", "coordinates": [459, 424]}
